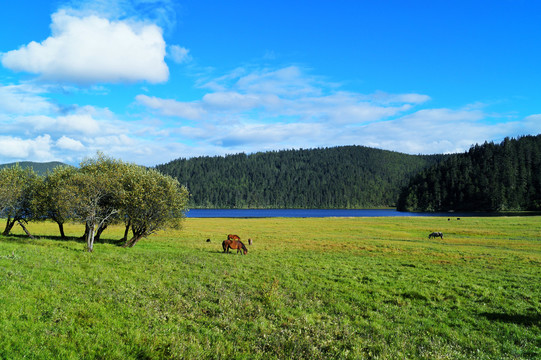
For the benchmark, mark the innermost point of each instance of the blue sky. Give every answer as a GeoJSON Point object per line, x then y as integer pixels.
{"type": "Point", "coordinates": [149, 81]}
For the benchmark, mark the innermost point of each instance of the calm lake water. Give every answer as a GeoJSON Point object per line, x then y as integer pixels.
{"type": "Point", "coordinates": [309, 213]}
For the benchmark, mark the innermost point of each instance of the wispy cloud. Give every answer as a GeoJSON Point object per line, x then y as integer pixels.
{"type": "Point", "coordinates": [159, 12]}
{"type": "Point", "coordinates": [24, 99]}
{"type": "Point", "coordinates": [179, 54]}
{"type": "Point", "coordinates": [288, 108]}
{"type": "Point", "coordinates": [169, 107]}
{"type": "Point", "coordinates": [283, 95]}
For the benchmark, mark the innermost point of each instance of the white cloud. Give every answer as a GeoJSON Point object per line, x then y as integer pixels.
{"type": "Point", "coordinates": [169, 107]}
{"type": "Point", "coordinates": [16, 148]}
{"type": "Point", "coordinates": [66, 143]}
{"type": "Point", "coordinates": [284, 135]}
{"type": "Point", "coordinates": [231, 100]}
{"type": "Point", "coordinates": [385, 98]}
{"type": "Point", "coordinates": [283, 95]}
{"type": "Point", "coordinates": [428, 131]}
{"type": "Point", "coordinates": [79, 123]}
{"type": "Point", "coordinates": [24, 99]}
{"type": "Point", "coordinates": [93, 49]}
{"type": "Point", "coordinates": [531, 125]}
{"type": "Point", "coordinates": [288, 81]}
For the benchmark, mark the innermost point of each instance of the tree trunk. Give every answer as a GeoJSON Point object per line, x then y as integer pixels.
{"type": "Point", "coordinates": [9, 225]}
{"type": "Point", "coordinates": [90, 237]}
{"type": "Point", "coordinates": [128, 224]}
{"type": "Point", "coordinates": [98, 233]}
{"type": "Point", "coordinates": [138, 233]}
{"type": "Point", "coordinates": [133, 240]}
{"type": "Point", "coordinates": [85, 235]}
{"type": "Point", "coordinates": [61, 228]}
{"type": "Point", "coordinates": [26, 230]}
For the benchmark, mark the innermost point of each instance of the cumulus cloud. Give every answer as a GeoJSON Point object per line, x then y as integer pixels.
{"type": "Point", "coordinates": [67, 143]}
{"type": "Point", "coordinates": [92, 49]}
{"type": "Point", "coordinates": [17, 148]}
{"type": "Point", "coordinates": [79, 123]}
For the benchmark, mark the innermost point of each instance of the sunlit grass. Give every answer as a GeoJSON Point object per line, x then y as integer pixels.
{"type": "Point", "coordinates": [359, 288]}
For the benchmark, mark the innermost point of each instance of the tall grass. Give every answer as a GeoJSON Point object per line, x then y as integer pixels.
{"type": "Point", "coordinates": [351, 288]}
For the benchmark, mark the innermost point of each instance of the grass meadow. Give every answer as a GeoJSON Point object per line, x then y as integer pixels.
{"type": "Point", "coordinates": [331, 288]}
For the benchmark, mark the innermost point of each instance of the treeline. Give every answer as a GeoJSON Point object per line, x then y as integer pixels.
{"type": "Point", "coordinates": [488, 177]}
{"type": "Point", "coordinates": [100, 192]}
{"type": "Point", "coordinates": [339, 177]}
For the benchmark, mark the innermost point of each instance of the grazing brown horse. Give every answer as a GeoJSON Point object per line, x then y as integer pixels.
{"type": "Point", "coordinates": [233, 244]}
{"type": "Point", "coordinates": [233, 237]}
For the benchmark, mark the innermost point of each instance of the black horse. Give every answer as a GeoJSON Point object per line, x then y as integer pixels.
{"type": "Point", "coordinates": [435, 235]}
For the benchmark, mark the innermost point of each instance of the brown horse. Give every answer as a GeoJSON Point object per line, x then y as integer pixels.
{"type": "Point", "coordinates": [233, 237]}
{"type": "Point", "coordinates": [233, 244]}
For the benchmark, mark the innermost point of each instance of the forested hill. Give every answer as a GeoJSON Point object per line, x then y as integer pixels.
{"type": "Point", "coordinates": [39, 168]}
{"type": "Point", "coordinates": [339, 177]}
{"type": "Point", "coordinates": [489, 177]}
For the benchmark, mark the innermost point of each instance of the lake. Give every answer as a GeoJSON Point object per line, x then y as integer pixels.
{"type": "Point", "coordinates": [309, 213]}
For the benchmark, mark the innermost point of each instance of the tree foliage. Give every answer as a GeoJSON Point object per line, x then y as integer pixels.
{"type": "Point", "coordinates": [16, 191]}
{"type": "Point", "coordinates": [488, 177]}
{"type": "Point", "coordinates": [152, 202]}
{"type": "Point", "coordinates": [97, 189]}
{"type": "Point", "coordinates": [339, 177]}
{"type": "Point", "coordinates": [56, 194]}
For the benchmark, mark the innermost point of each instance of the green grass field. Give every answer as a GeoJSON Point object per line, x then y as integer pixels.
{"type": "Point", "coordinates": [354, 288]}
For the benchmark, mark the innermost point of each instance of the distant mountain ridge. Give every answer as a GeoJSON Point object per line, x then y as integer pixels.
{"type": "Point", "coordinates": [337, 177]}
{"type": "Point", "coordinates": [39, 168]}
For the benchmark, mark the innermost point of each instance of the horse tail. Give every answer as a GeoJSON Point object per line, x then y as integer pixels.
{"type": "Point", "coordinates": [223, 245]}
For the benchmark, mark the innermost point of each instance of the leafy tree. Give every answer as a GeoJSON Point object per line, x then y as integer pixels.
{"type": "Point", "coordinates": [55, 198]}
{"type": "Point", "coordinates": [17, 188]}
{"type": "Point", "coordinates": [151, 202]}
{"type": "Point", "coordinates": [96, 186]}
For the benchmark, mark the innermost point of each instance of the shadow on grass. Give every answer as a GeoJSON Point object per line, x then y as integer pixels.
{"type": "Point", "coordinates": [20, 238]}
{"type": "Point", "coordinates": [519, 319]}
